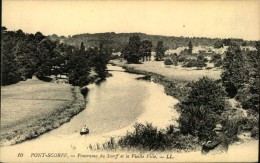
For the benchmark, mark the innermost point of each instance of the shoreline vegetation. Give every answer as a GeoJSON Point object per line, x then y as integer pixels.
{"type": "Point", "coordinates": [241, 128]}
{"type": "Point", "coordinates": [32, 127]}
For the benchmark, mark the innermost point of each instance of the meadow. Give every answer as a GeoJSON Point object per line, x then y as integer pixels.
{"type": "Point", "coordinates": [30, 108]}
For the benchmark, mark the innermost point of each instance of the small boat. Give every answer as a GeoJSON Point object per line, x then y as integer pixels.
{"type": "Point", "coordinates": [84, 131]}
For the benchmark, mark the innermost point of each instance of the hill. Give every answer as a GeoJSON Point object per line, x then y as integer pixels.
{"type": "Point", "coordinates": [118, 41]}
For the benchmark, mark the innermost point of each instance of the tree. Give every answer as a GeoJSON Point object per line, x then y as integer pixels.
{"type": "Point", "coordinates": [131, 51]}
{"type": "Point", "coordinates": [202, 108]}
{"type": "Point", "coordinates": [101, 59]}
{"type": "Point", "coordinates": [248, 93]}
{"type": "Point", "coordinates": [227, 42]}
{"type": "Point", "coordinates": [46, 54]}
{"type": "Point", "coordinates": [9, 66]}
{"type": "Point", "coordinates": [235, 72]}
{"type": "Point", "coordinates": [82, 47]}
{"type": "Point", "coordinates": [218, 44]}
{"type": "Point", "coordinates": [200, 62]}
{"type": "Point", "coordinates": [190, 47]}
{"type": "Point", "coordinates": [145, 50]}
{"type": "Point", "coordinates": [159, 51]}
{"type": "Point", "coordinates": [79, 69]}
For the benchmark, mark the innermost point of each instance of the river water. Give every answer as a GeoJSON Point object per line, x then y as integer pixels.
{"type": "Point", "coordinates": [113, 107]}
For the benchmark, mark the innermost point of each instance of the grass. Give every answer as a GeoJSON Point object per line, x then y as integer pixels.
{"type": "Point", "coordinates": [172, 72]}
{"type": "Point", "coordinates": [31, 108]}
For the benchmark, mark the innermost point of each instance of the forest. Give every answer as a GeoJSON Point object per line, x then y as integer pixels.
{"type": "Point", "coordinates": [117, 41]}
{"type": "Point", "coordinates": [25, 55]}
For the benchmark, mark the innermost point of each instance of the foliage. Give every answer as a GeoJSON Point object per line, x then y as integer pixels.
{"type": "Point", "coordinates": [232, 127]}
{"type": "Point", "coordinates": [159, 50]}
{"type": "Point", "coordinates": [168, 62]}
{"type": "Point", "coordinates": [184, 53]}
{"type": "Point", "coordinates": [232, 63]}
{"type": "Point", "coordinates": [248, 93]}
{"type": "Point", "coordinates": [174, 58]}
{"type": "Point", "coordinates": [137, 49]}
{"type": "Point", "coordinates": [218, 44]}
{"type": "Point", "coordinates": [25, 55]}
{"type": "Point", "coordinates": [218, 63]}
{"type": "Point", "coordinates": [148, 137]}
{"type": "Point", "coordinates": [240, 76]}
{"type": "Point", "coordinates": [131, 51]}
{"type": "Point", "coordinates": [201, 62]}
{"type": "Point", "coordinates": [198, 121]}
{"type": "Point", "coordinates": [181, 59]}
{"type": "Point", "coordinates": [101, 60]}
{"type": "Point", "coordinates": [146, 49]}
{"type": "Point", "coordinates": [190, 47]}
{"type": "Point", "coordinates": [215, 57]}
{"type": "Point", "coordinates": [199, 111]}
{"type": "Point", "coordinates": [190, 63]}
{"type": "Point", "coordinates": [117, 41]}
{"type": "Point", "coordinates": [79, 69]}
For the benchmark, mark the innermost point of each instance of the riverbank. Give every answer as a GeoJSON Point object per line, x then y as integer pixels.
{"type": "Point", "coordinates": [179, 88]}
{"type": "Point", "coordinates": [170, 72]}
{"type": "Point", "coordinates": [33, 107]}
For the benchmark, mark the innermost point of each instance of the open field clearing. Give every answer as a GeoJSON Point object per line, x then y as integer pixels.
{"type": "Point", "coordinates": [173, 72]}
{"type": "Point", "coordinates": [30, 108]}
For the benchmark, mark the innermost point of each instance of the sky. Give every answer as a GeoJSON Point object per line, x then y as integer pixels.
{"type": "Point", "coordinates": [215, 19]}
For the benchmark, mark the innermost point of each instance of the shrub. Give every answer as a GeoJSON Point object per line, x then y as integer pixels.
{"type": "Point", "coordinates": [234, 126]}
{"type": "Point", "coordinates": [147, 137]}
{"type": "Point", "coordinates": [181, 59]}
{"type": "Point", "coordinates": [190, 63]}
{"type": "Point", "coordinates": [218, 63]}
{"type": "Point", "coordinates": [144, 137]}
{"type": "Point", "coordinates": [206, 92]}
{"type": "Point", "coordinates": [202, 108]}
{"type": "Point", "coordinates": [215, 57]}
{"type": "Point", "coordinates": [168, 62]}
{"type": "Point", "coordinates": [198, 121]}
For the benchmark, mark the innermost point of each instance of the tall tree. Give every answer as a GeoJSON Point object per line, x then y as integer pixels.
{"type": "Point", "coordinates": [101, 60]}
{"type": "Point", "coordinates": [82, 47]}
{"type": "Point", "coordinates": [145, 50]}
{"type": "Point", "coordinates": [79, 69]}
{"type": "Point", "coordinates": [131, 51]}
{"type": "Point", "coordinates": [9, 66]}
{"type": "Point", "coordinates": [235, 73]}
{"type": "Point", "coordinates": [190, 47]}
{"type": "Point", "coordinates": [159, 51]}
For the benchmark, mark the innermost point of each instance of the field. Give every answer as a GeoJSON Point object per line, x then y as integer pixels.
{"type": "Point", "coordinates": [172, 72]}
{"type": "Point", "coordinates": [30, 108]}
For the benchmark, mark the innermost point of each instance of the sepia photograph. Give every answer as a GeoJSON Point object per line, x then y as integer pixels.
{"type": "Point", "coordinates": [130, 81]}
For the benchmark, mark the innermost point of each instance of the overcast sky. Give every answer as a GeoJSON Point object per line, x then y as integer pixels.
{"type": "Point", "coordinates": [222, 19]}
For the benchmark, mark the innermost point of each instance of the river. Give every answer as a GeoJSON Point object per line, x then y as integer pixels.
{"type": "Point", "coordinates": [113, 107]}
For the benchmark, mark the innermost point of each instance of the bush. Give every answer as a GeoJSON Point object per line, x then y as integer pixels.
{"type": "Point", "coordinates": [247, 99]}
{"type": "Point", "coordinates": [144, 137]}
{"type": "Point", "coordinates": [202, 108]}
{"type": "Point", "coordinates": [215, 57]}
{"type": "Point", "coordinates": [190, 63]}
{"type": "Point", "coordinates": [147, 137]}
{"type": "Point", "coordinates": [218, 63]}
{"type": "Point", "coordinates": [206, 92]}
{"type": "Point", "coordinates": [181, 59]}
{"type": "Point", "coordinates": [234, 126]}
{"type": "Point", "coordinates": [198, 121]}
{"type": "Point", "coordinates": [168, 62]}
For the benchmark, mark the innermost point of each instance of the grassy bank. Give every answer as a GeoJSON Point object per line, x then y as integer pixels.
{"type": "Point", "coordinates": [236, 125]}
{"type": "Point", "coordinates": [171, 72]}
{"type": "Point", "coordinates": [31, 108]}
{"type": "Point", "coordinates": [176, 88]}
